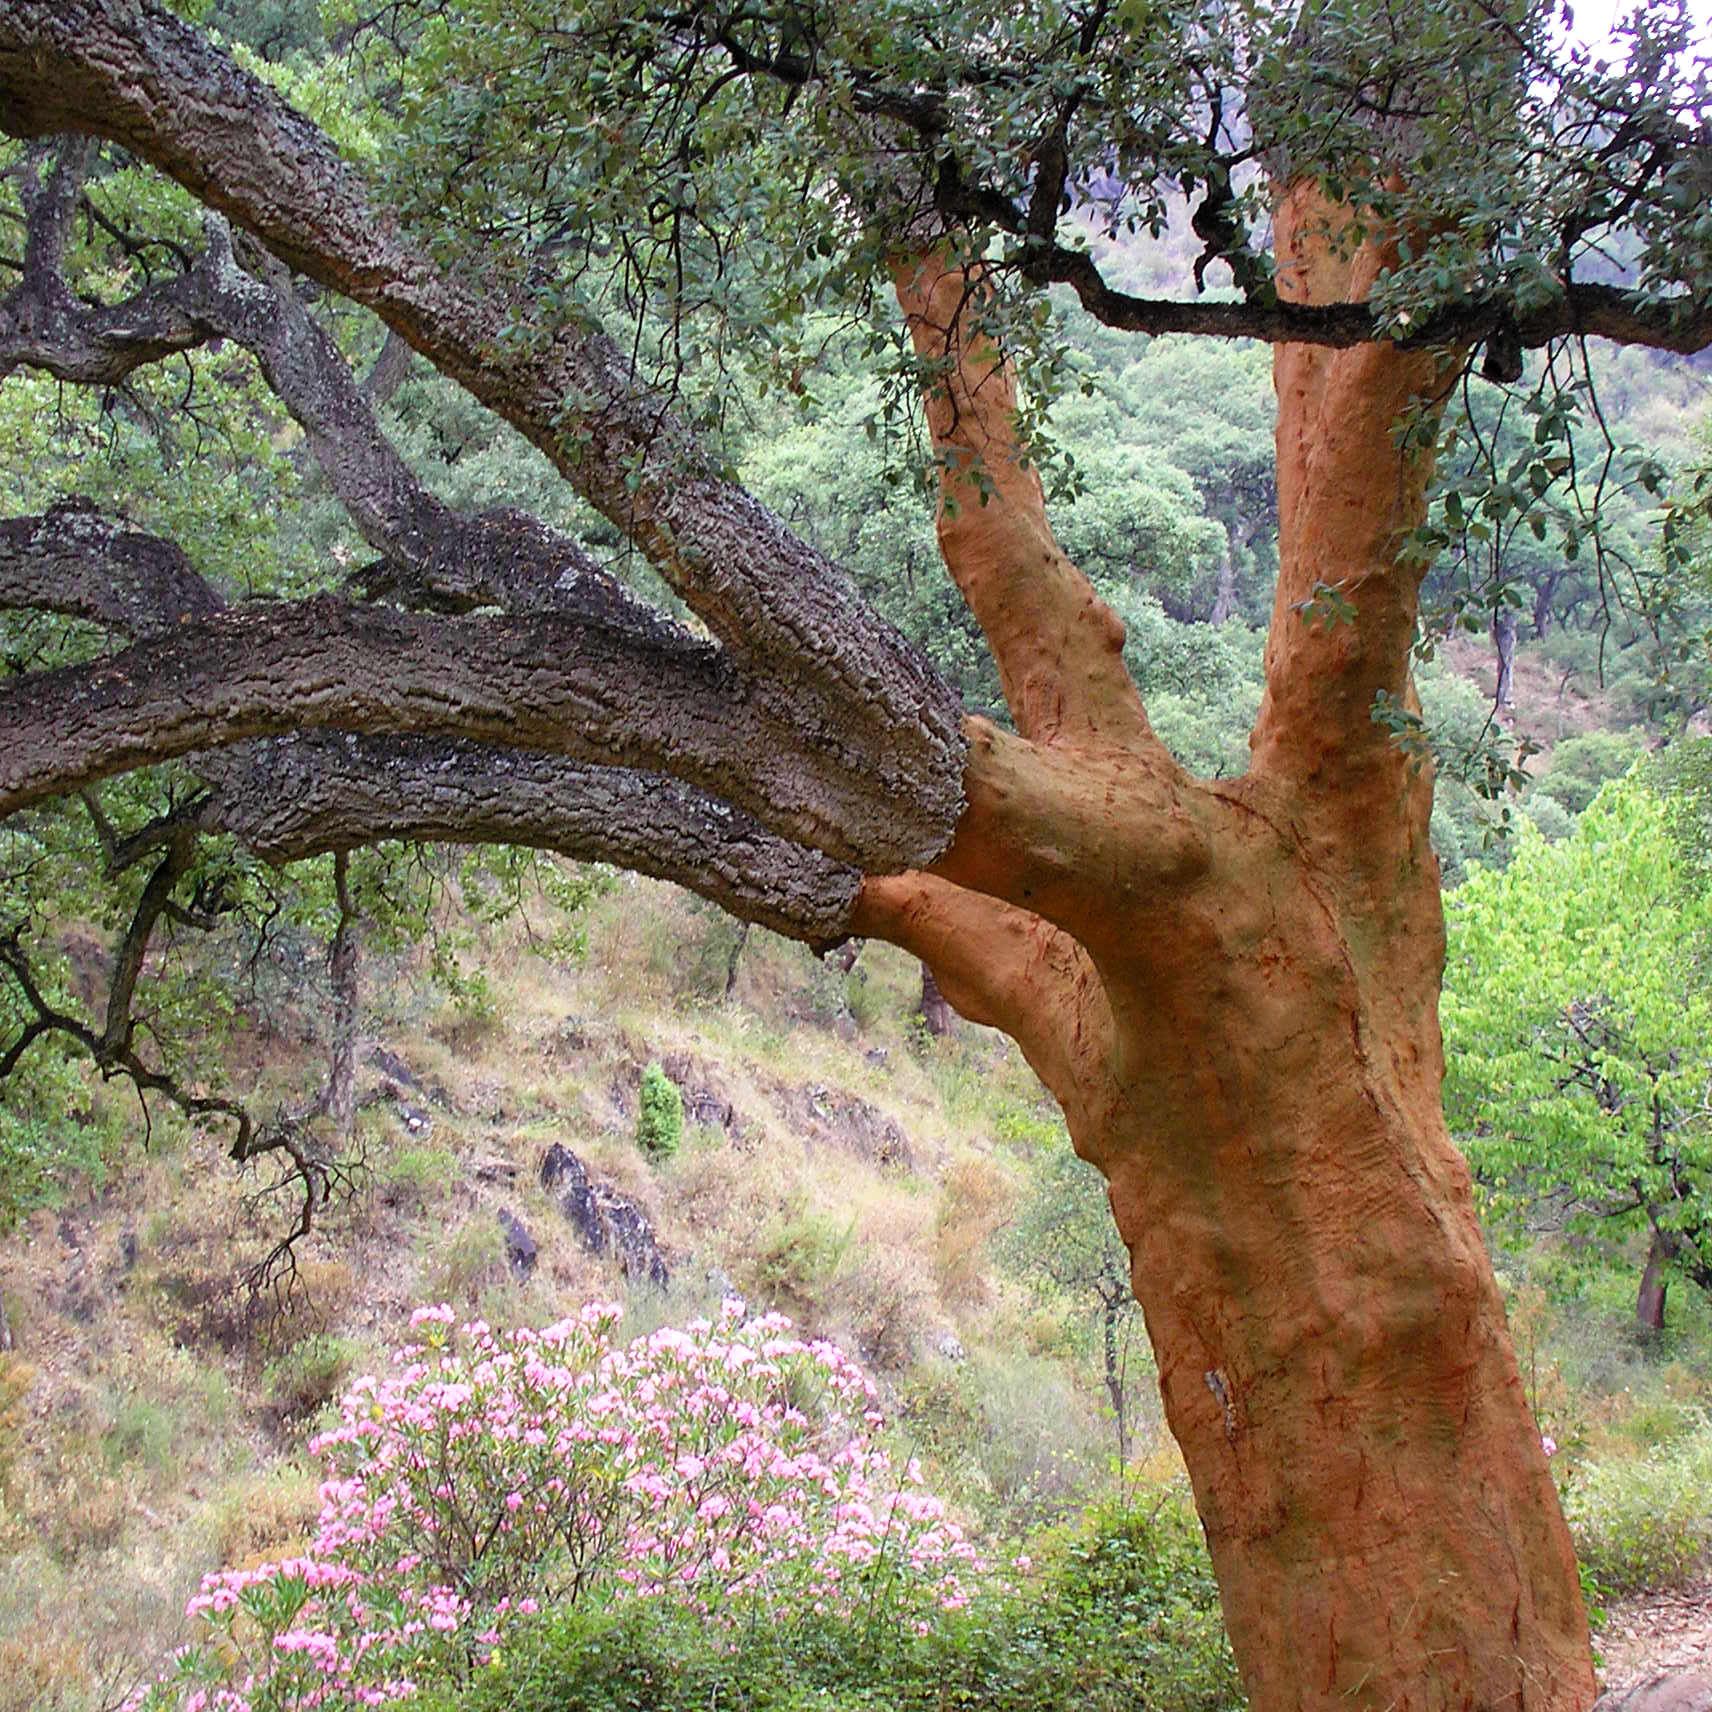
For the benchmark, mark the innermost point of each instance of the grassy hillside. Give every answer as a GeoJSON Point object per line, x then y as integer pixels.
{"type": "Point", "coordinates": [836, 1162]}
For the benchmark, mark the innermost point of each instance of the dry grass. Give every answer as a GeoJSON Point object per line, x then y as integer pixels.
{"type": "Point", "coordinates": [160, 1430]}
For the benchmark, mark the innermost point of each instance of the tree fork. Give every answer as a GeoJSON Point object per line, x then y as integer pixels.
{"type": "Point", "coordinates": [1232, 987]}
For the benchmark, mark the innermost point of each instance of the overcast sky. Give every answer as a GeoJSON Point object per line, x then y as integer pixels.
{"type": "Point", "coordinates": [1595, 19]}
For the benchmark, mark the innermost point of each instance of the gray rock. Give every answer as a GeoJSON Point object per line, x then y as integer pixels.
{"type": "Point", "coordinates": [834, 1117]}
{"type": "Point", "coordinates": [608, 1222]}
{"type": "Point", "coordinates": [520, 1247]}
{"type": "Point", "coordinates": [393, 1069]}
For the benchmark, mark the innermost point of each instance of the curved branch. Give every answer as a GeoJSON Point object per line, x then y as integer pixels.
{"type": "Point", "coordinates": [301, 796]}
{"type": "Point", "coordinates": [543, 682]}
{"type": "Point", "coordinates": [1677, 324]}
{"type": "Point", "coordinates": [1058, 646]}
{"type": "Point", "coordinates": [42, 325]}
{"type": "Point", "coordinates": [436, 556]}
{"type": "Point", "coordinates": [77, 562]}
{"type": "Point", "coordinates": [1004, 967]}
{"type": "Point", "coordinates": [111, 1049]}
{"type": "Point", "coordinates": [133, 73]}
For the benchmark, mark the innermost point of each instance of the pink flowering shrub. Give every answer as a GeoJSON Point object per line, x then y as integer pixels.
{"type": "Point", "coordinates": [492, 1472]}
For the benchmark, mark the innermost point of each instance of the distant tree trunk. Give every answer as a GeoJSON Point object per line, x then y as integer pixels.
{"type": "Point", "coordinates": [936, 1013]}
{"type": "Point", "coordinates": [340, 1102]}
{"type": "Point", "coordinates": [1115, 1299]}
{"type": "Point", "coordinates": [735, 958]}
{"type": "Point", "coordinates": [1655, 1281]}
{"type": "Point", "coordinates": [1224, 597]}
{"type": "Point", "coordinates": [846, 954]}
{"type": "Point", "coordinates": [1544, 589]}
{"type": "Point", "coordinates": [1504, 637]}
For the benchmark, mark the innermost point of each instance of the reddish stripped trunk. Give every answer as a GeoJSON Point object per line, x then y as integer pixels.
{"type": "Point", "coordinates": [1232, 989]}
{"type": "Point", "coordinates": [1655, 1283]}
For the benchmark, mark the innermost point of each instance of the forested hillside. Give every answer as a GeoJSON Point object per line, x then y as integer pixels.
{"type": "Point", "coordinates": [575, 1011]}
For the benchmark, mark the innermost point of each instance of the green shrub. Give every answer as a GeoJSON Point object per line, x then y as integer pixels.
{"type": "Point", "coordinates": [1120, 1614]}
{"type": "Point", "coordinates": [308, 1375]}
{"type": "Point", "coordinates": [40, 1158]}
{"type": "Point", "coordinates": [796, 1256]}
{"type": "Point", "coordinates": [1580, 765]}
{"type": "Point", "coordinates": [141, 1432]}
{"type": "Point", "coordinates": [865, 1002]}
{"type": "Point", "coordinates": [1645, 1523]}
{"type": "Point", "coordinates": [659, 1114]}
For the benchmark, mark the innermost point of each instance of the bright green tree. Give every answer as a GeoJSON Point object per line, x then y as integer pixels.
{"type": "Point", "coordinates": [1578, 1028]}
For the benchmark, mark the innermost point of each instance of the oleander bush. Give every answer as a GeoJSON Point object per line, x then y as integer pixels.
{"type": "Point", "coordinates": [725, 1469]}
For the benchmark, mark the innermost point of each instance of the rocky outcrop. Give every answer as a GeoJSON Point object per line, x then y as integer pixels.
{"type": "Point", "coordinates": [397, 1082]}
{"type": "Point", "coordinates": [706, 1102]}
{"type": "Point", "coordinates": [608, 1222]}
{"type": "Point", "coordinates": [834, 1117]}
{"type": "Point", "coordinates": [521, 1251]}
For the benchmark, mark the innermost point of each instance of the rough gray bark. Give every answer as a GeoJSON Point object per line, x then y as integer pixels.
{"type": "Point", "coordinates": [305, 794]}
{"type": "Point", "coordinates": [547, 682]}
{"type": "Point", "coordinates": [138, 76]}
{"type": "Point", "coordinates": [1504, 641]}
{"type": "Point", "coordinates": [299, 796]}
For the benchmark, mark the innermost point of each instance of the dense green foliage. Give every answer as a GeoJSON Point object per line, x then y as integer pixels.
{"type": "Point", "coordinates": [1119, 1611]}
{"type": "Point", "coordinates": [1578, 1026]}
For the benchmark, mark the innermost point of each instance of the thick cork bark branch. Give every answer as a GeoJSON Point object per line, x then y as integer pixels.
{"type": "Point", "coordinates": [129, 71]}
{"type": "Point", "coordinates": [1086, 839]}
{"type": "Point", "coordinates": [1355, 434]}
{"type": "Point", "coordinates": [1058, 646]}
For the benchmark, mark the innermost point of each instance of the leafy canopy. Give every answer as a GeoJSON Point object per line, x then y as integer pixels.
{"type": "Point", "coordinates": [1578, 1020]}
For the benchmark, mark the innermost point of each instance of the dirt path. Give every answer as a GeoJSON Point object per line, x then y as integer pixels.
{"type": "Point", "coordinates": [1669, 1631]}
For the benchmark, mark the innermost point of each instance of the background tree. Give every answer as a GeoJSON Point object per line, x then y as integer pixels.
{"type": "Point", "coordinates": [1062, 1242]}
{"type": "Point", "coordinates": [1577, 1023]}
{"type": "Point", "coordinates": [1228, 982]}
